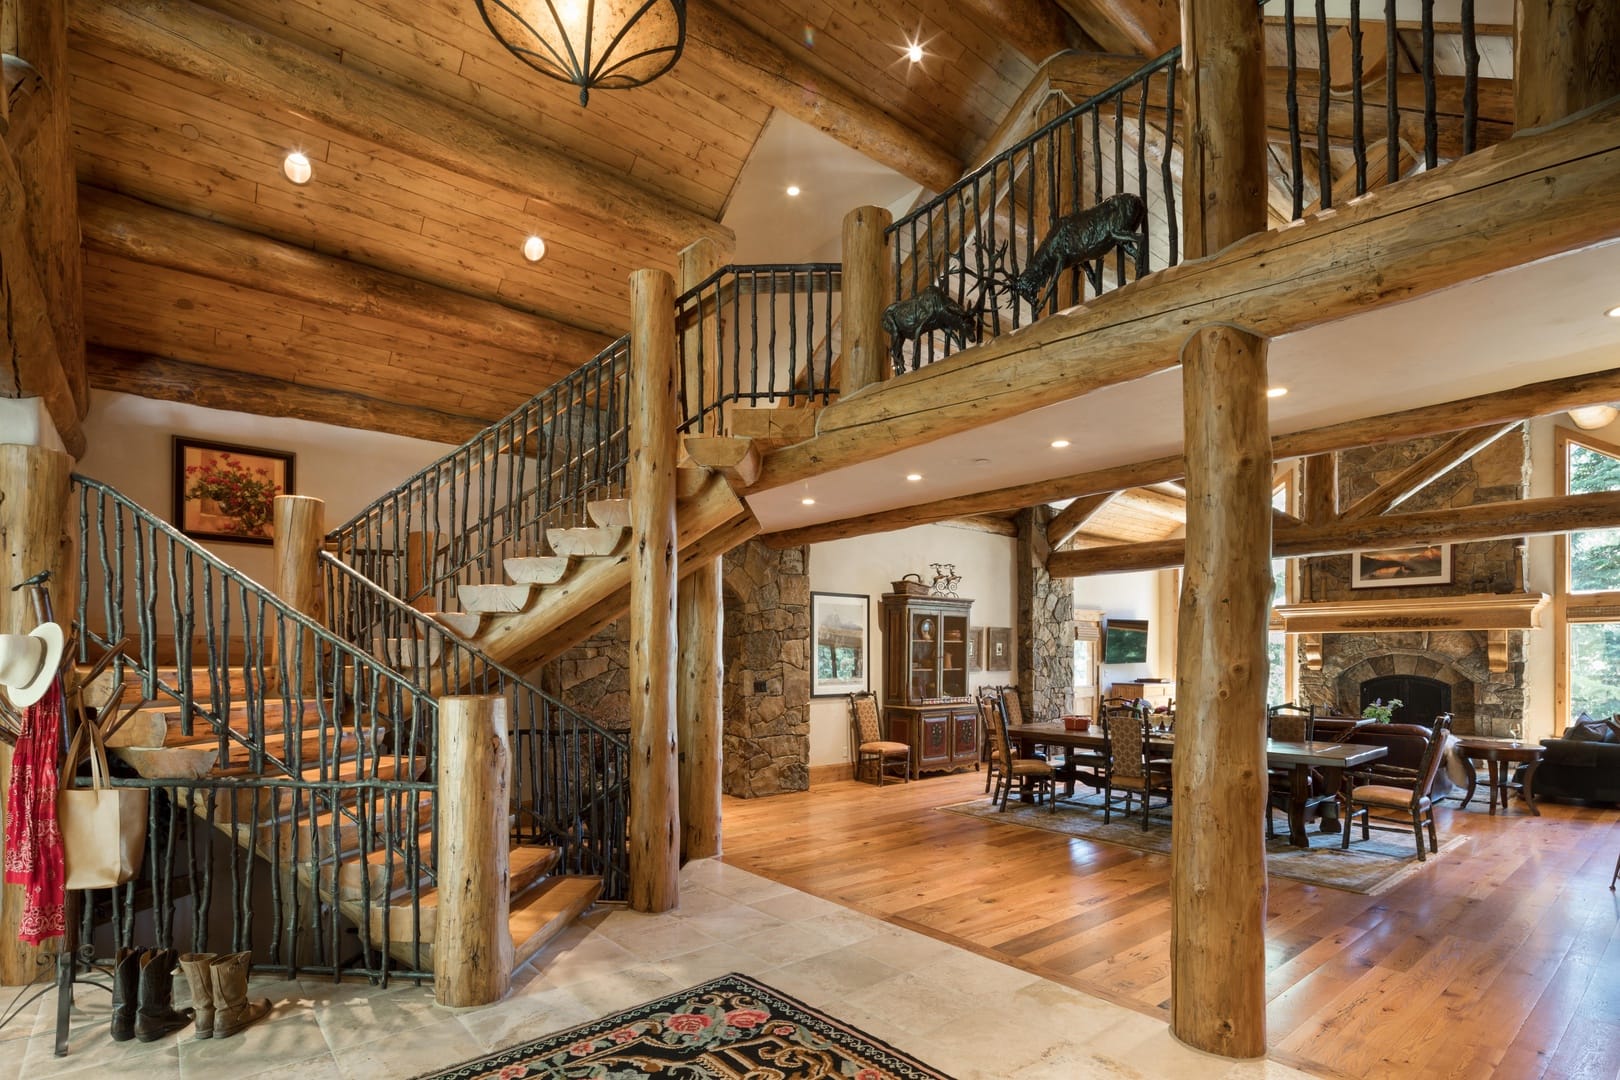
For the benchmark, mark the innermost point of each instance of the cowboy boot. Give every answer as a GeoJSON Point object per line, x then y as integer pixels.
{"type": "Point", "coordinates": [126, 986]}
{"type": "Point", "coordinates": [157, 1015]}
{"type": "Point", "coordinates": [232, 1009]}
{"type": "Point", "coordinates": [197, 967]}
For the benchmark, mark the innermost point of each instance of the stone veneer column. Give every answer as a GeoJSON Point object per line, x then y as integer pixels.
{"type": "Point", "coordinates": [1045, 646]}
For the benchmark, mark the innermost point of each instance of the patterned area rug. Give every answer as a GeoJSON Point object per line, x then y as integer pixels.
{"type": "Point", "coordinates": [1369, 866]}
{"type": "Point", "coordinates": [728, 1028]}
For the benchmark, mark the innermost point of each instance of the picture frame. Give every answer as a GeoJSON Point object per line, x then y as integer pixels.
{"type": "Point", "coordinates": [840, 644]}
{"type": "Point", "coordinates": [1424, 565]}
{"type": "Point", "coordinates": [975, 644]}
{"type": "Point", "coordinates": [225, 492]}
{"type": "Point", "coordinates": [998, 648]}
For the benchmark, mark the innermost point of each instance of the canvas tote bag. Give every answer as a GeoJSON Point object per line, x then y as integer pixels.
{"type": "Point", "coordinates": [103, 827]}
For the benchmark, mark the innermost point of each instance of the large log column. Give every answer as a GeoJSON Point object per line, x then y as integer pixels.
{"type": "Point", "coordinates": [699, 691]}
{"type": "Point", "coordinates": [1218, 869]}
{"type": "Point", "coordinates": [1566, 57]}
{"type": "Point", "coordinates": [299, 530]}
{"type": "Point", "coordinates": [34, 500]}
{"type": "Point", "coordinates": [654, 809]}
{"type": "Point", "coordinates": [868, 288]}
{"type": "Point", "coordinates": [472, 952]}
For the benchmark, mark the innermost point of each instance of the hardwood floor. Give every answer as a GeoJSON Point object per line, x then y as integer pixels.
{"type": "Point", "coordinates": [1502, 958]}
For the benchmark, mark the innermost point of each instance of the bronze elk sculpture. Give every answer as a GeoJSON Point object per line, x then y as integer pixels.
{"type": "Point", "coordinates": [1083, 238]}
{"type": "Point", "coordinates": [932, 308]}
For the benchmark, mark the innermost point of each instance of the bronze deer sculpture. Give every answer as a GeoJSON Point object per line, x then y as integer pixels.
{"type": "Point", "coordinates": [1083, 238]}
{"type": "Point", "coordinates": [933, 309]}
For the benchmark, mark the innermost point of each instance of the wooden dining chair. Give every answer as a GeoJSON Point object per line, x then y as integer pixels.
{"type": "Point", "coordinates": [1132, 768]}
{"type": "Point", "coordinates": [871, 748]}
{"type": "Point", "coordinates": [1403, 807]}
{"type": "Point", "coordinates": [1292, 723]}
{"type": "Point", "coordinates": [1038, 774]}
{"type": "Point", "coordinates": [992, 759]}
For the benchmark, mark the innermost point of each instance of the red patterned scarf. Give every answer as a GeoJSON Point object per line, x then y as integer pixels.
{"type": "Point", "coordinates": [34, 857]}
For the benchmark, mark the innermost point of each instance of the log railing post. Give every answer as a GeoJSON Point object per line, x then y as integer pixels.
{"type": "Point", "coordinates": [300, 529]}
{"type": "Point", "coordinates": [1218, 872]}
{"type": "Point", "coordinates": [700, 355]}
{"type": "Point", "coordinates": [867, 290]}
{"type": "Point", "coordinates": [34, 500]}
{"type": "Point", "coordinates": [1566, 57]}
{"type": "Point", "coordinates": [472, 950]}
{"type": "Point", "coordinates": [699, 689]}
{"type": "Point", "coordinates": [654, 809]}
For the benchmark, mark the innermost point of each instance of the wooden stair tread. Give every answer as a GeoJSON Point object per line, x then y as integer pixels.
{"type": "Point", "coordinates": [537, 569]}
{"type": "Point", "coordinates": [527, 867]}
{"type": "Point", "coordinates": [587, 540]}
{"type": "Point", "coordinates": [546, 910]}
{"type": "Point", "coordinates": [609, 513]}
{"type": "Point", "coordinates": [494, 599]}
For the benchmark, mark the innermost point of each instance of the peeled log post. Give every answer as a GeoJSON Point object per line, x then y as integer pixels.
{"type": "Point", "coordinates": [867, 289]}
{"type": "Point", "coordinates": [300, 529]}
{"type": "Point", "coordinates": [472, 952]}
{"type": "Point", "coordinates": [654, 811]}
{"type": "Point", "coordinates": [1217, 848]}
{"type": "Point", "coordinates": [1566, 57]}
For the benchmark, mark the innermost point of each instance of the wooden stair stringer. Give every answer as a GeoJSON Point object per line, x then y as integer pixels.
{"type": "Point", "coordinates": [709, 524]}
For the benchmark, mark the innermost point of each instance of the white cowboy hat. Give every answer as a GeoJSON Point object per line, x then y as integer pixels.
{"type": "Point", "coordinates": [28, 663]}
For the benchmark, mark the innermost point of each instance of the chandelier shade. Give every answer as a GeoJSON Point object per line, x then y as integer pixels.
{"type": "Point", "coordinates": [594, 44]}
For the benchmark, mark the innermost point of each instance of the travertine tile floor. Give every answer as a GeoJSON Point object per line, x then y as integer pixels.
{"type": "Point", "coordinates": [962, 1013]}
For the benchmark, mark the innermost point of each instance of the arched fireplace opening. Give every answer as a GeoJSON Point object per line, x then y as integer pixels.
{"type": "Point", "coordinates": [1421, 698]}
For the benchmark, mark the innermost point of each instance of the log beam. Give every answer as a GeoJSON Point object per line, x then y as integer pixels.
{"type": "Point", "coordinates": [150, 234]}
{"type": "Point", "coordinates": [195, 41]}
{"type": "Point", "coordinates": [1037, 28]}
{"type": "Point", "coordinates": [1454, 525]}
{"type": "Point", "coordinates": [155, 377]}
{"type": "Point", "coordinates": [1145, 27]}
{"type": "Point", "coordinates": [1072, 518]}
{"type": "Point", "coordinates": [761, 68]}
{"type": "Point", "coordinates": [655, 828]}
{"type": "Point", "coordinates": [1566, 57]}
{"type": "Point", "coordinates": [1321, 488]}
{"type": "Point", "coordinates": [1424, 471]}
{"type": "Point", "coordinates": [1507, 205]}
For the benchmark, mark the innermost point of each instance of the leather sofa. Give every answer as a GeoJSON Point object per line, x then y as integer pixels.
{"type": "Point", "coordinates": [1579, 769]}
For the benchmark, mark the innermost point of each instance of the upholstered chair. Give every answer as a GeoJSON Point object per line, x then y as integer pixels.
{"type": "Point", "coordinates": [1132, 768]}
{"type": "Point", "coordinates": [1400, 805]}
{"type": "Point", "coordinates": [1039, 775]}
{"type": "Point", "coordinates": [871, 748]}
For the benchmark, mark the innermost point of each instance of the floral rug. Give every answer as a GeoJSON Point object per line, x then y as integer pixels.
{"type": "Point", "coordinates": [728, 1028]}
{"type": "Point", "coordinates": [1368, 866]}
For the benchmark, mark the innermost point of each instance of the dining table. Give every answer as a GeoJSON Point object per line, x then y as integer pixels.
{"type": "Point", "coordinates": [1333, 760]}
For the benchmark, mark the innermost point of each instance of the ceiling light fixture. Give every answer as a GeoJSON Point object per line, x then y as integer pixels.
{"type": "Point", "coordinates": [534, 249]}
{"type": "Point", "coordinates": [914, 477]}
{"type": "Point", "coordinates": [914, 52]}
{"type": "Point", "coordinates": [1059, 444]}
{"type": "Point", "coordinates": [1592, 417]}
{"type": "Point", "coordinates": [793, 191]}
{"type": "Point", "coordinates": [594, 44]}
{"type": "Point", "coordinates": [1277, 391]}
{"type": "Point", "coordinates": [808, 501]}
{"type": "Point", "coordinates": [296, 167]}
{"type": "Point", "coordinates": [1613, 313]}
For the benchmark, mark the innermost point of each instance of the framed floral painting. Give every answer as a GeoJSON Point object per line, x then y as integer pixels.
{"type": "Point", "coordinates": [225, 492]}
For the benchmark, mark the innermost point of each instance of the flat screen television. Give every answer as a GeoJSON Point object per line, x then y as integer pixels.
{"type": "Point", "coordinates": [1125, 641]}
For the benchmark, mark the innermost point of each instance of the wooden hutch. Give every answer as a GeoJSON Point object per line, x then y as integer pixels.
{"type": "Point", "coordinates": [925, 681]}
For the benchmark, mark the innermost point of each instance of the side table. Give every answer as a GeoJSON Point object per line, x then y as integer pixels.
{"type": "Point", "coordinates": [1499, 756]}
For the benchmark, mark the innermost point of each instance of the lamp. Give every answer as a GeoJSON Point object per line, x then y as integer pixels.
{"type": "Point", "coordinates": [1591, 417]}
{"type": "Point", "coordinates": [605, 44]}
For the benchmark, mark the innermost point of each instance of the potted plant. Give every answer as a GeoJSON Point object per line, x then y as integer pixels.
{"type": "Point", "coordinates": [1381, 711]}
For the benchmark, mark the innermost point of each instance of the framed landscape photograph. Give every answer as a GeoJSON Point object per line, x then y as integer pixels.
{"type": "Point", "coordinates": [1430, 565]}
{"type": "Point", "coordinates": [838, 632]}
{"type": "Point", "coordinates": [226, 492]}
{"type": "Point", "coordinates": [998, 648]}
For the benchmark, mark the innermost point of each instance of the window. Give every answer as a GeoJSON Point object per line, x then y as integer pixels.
{"type": "Point", "coordinates": [1280, 675]}
{"type": "Point", "coordinates": [1586, 589]}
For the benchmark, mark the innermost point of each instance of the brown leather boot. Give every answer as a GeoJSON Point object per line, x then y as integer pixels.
{"type": "Point", "coordinates": [156, 1015]}
{"type": "Point", "coordinates": [232, 1009]}
{"type": "Point", "coordinates": [197, 968]}
{"type": "Point", "coordinates": [126, 987]}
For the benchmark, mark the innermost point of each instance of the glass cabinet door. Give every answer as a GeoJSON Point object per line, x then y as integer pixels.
{"type": "Point", "coordinates": [925, 655]}
{"type": "Point", "coordinates": [953, 654]}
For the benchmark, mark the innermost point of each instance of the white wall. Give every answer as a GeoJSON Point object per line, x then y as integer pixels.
{"type": "Point", "coordinates": [131, 448]}
{"type": "Point", "coordinates": [1126, 596]}
{"type": "Point", "coordinates": [867, 564]}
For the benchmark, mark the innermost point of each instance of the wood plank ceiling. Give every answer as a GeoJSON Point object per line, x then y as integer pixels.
{"type": "Point", "coordinates": [163, 112]}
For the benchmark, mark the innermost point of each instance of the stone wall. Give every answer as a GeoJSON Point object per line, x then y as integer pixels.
{"type": "Point", "coordinates": [1045, 630]}
{"type": "Point", "coordinates": [1483, 701]}
{"type": "Point", "coordinates": [593, 678]}
{"type": "Point", "coordinates": [767, 680]}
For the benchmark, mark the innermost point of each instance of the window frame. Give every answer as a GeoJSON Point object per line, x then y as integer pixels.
{"type": "Point", "coordinates": [1569, 606]}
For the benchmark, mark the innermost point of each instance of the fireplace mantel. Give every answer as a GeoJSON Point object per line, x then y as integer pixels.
{"type": "Point", "coordinates": [1476, 611]}
{"type": "Point", "coordinates": [1495, 613]}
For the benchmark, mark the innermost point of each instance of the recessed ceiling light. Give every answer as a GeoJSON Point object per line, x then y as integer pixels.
{"type": "Point", "coordinates": [914, 53]}
{"type": "Point", "coordinates": [914, 477]}
{"type": "Point", "coordinates": [1277, 391]}
{"type": "Point", "coordinates": [1059, 444]}
{"type": "Point", "coordinates": [534, 249]}
{"type": "Point", "coordinates": [793, 191]}
{"type": "Point", "coordinates": [1613, 313]}
{"type": "Point", "coordinates": [808, 501]}
{"type": "Point", "coordinates": [296, 166]}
